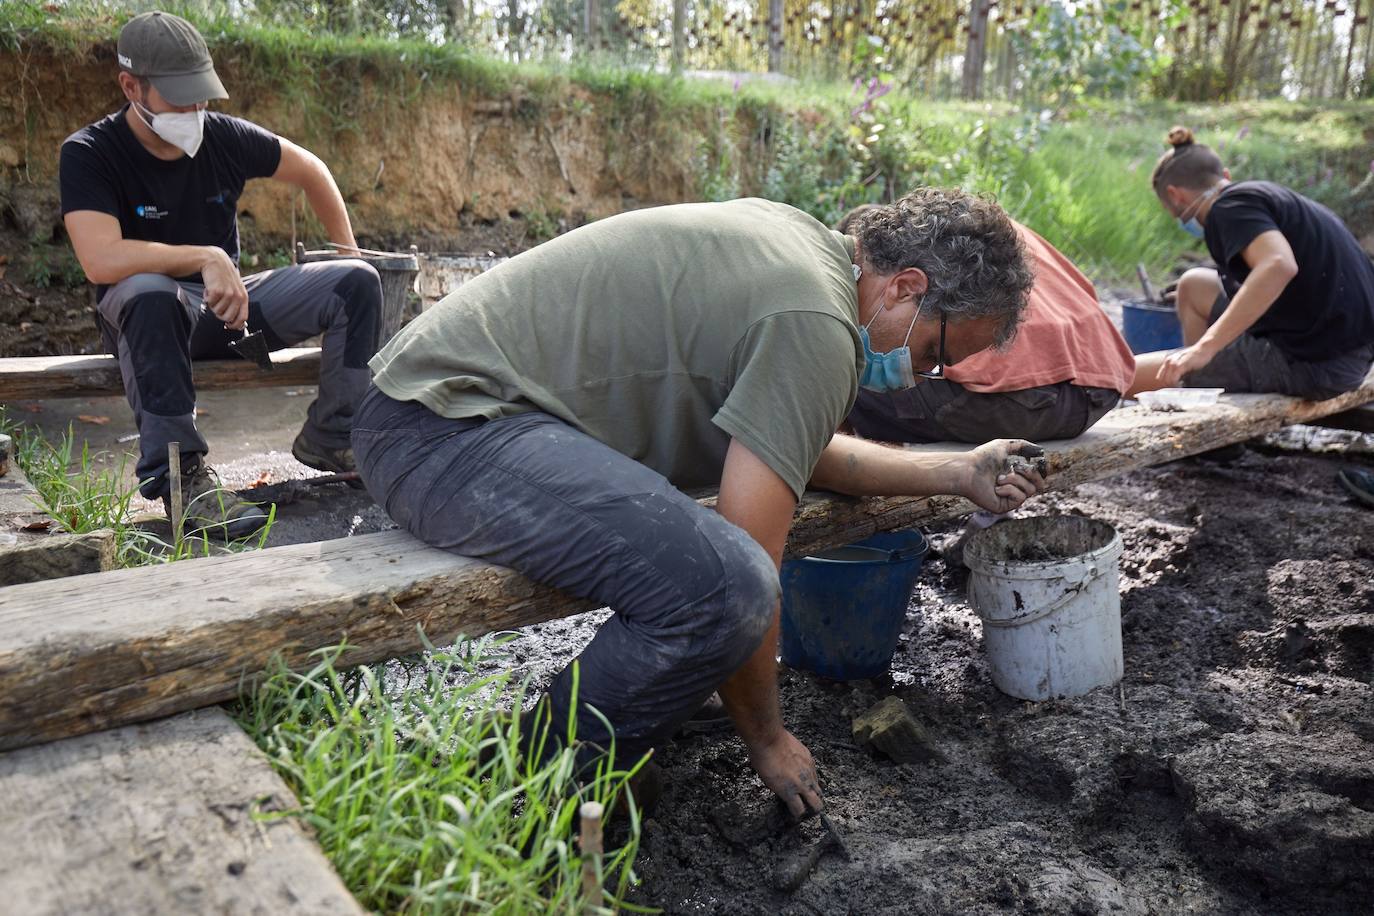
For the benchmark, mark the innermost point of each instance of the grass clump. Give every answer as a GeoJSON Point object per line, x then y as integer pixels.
{"type": "Point", "coordinates": [82, 497]}
{"type": "Point", "coordinates": [413, 781]}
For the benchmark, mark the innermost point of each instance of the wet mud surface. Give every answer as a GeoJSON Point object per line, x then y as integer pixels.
{"type": "Point", "coordinates": [1233, 772]}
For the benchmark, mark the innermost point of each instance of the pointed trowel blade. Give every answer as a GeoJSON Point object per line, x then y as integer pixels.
{"type": "Point", "coordinates": [253, 347]}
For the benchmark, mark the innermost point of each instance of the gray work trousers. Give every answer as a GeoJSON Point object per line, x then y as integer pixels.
{"type": "Point", "coordinates": [692, 593]}
{"type": "Point", "coordinates": [938, 410]}
{"type": "Point", "coordinates": [157, 325]}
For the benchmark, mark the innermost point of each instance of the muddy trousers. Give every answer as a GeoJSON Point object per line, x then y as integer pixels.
{"type": "Point", "coordinates": [692, 593]}
{"type": "Point", "coordinates": [938, 410]}
{"type": "Point", "coordinates": [157, 326]}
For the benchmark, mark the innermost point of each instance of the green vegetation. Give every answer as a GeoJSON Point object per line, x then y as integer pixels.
{"type": "Point", "coordinates": [82, 497]}
{"type": "Point", "coordinates": [413, 781]}
{"type": "Point", "coordinates": [1078, 174]}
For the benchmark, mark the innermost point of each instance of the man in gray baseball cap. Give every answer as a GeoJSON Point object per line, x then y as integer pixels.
{"type": "Point", "coordinates": [169, 52]}
{"type": "Point", "coordinates": [150, 199]}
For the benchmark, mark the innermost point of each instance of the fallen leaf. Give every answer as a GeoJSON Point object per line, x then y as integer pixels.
{"type": "Point", "coordinates": [42, 524]}
{"type": "Point", "coordinates": [91, 418]}
{"type": "Point", "coordinates": [262, 481]}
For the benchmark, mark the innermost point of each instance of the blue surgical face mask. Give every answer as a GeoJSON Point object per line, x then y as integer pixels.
{"type": "Point", "coordinates": [890, 371]}
{"type": "Point", "coordinates": [1191, 225]}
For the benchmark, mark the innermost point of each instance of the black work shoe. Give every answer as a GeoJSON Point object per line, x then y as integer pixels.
{"type": "Point", "coordinates": [209, 509]}
{"type": "Point", "coordinates": [1359, 484]}
{"type": "Point", "coordinates": [323, 458]}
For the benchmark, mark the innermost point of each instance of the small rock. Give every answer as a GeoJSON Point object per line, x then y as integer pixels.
{"type": "Point", "coordinates": [890, 728]}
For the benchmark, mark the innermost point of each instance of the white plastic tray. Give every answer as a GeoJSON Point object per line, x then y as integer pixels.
{"type": "Point", "coordinates": [1178, 398]}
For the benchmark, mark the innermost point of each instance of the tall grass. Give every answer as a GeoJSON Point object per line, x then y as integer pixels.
{"type": "Point", "coordinates": [82, 497]}
{"type": "Point", "coordinates": [414, 783]}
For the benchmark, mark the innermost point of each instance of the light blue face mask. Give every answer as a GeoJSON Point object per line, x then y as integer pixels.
{"type": "Point", "coordinates": [1191, 225]}
{"type": "Point", "coordinates": [890, 371]}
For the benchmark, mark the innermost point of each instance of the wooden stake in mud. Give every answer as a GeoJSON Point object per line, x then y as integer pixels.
{"type": "Point", "coordinates": [174, 476]}
{"type": "Point", "coordinates": [590, 813]}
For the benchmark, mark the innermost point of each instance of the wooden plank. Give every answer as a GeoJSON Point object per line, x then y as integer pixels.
{"type": "Point", "coordinates": [1124, 440]}
{"type": "Point", "coordinates": [157, 818]}
{"type": "Point", "coordinates": [38, 557]}
{"type": "Point", "coordinates": [87, 653]}
{"type": "Point", "coordinates": [24, 378]}
{"type": "Point", "coordinates": [32, 556]}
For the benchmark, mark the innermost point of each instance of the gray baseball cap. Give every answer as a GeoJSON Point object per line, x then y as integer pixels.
{"type": "Point", "coordinates": [171, 54]}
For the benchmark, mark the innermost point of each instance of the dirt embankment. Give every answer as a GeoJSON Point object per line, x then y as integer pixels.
{"type": "Point", "coordinates": [413, 159]}
{"type": "Point", "coordinates": [419, 159]}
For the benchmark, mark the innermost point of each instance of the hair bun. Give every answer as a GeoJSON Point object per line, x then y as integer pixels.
{"type": "Point", "coordinates": [1180, 136]}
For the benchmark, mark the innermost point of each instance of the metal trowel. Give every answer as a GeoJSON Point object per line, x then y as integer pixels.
{"type": "Point", "coordinates": [253, 347]}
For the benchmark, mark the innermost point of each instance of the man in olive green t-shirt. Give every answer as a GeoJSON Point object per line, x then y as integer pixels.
{"type": "Point", "coordinates": [547, 415]}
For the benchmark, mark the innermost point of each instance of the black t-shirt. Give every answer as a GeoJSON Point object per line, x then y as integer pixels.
{"type": "Point", "coordinates": [1328, 308]}
{"type": "Point", "coordinates": [187, 201]}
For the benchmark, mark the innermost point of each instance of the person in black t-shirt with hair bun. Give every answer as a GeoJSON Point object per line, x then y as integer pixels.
{"type": "Point", "coordinates": [150, 200]}
{"type": "Point", "coordinates": [1290, 305]}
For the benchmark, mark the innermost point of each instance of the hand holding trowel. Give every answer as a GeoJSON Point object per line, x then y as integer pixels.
{"type": "Point", "coordinates": [226, 296]}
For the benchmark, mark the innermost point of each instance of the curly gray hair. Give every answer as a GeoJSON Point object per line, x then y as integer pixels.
{"type": "Point", "coordinates": [973, 258]}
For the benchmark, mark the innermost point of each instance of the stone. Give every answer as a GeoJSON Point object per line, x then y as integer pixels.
{"type": "Point", "coordinates": [890, 728]}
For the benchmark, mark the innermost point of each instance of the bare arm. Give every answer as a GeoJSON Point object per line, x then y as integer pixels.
{"type": "Point", "coordinates": [756, 499]}
{"type": "Point", "coordinates": [107, 257]}
{"type": "Point", "coordinates": [305, 170]}
{"type": "Point", "coordinates": [1272, 268]}
{"type": "Point", "coordinates": [857, 467]}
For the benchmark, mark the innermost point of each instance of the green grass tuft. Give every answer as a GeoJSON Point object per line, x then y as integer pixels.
{"type": "Point", "coordinates": [412, 779]}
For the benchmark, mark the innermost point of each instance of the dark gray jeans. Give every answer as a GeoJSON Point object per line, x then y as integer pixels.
{"type": "Point", "coordinates": [1251, 363]}
{"type": "Point", "coordinates": [692, 593]}
{"type": "Point", "coordinates": [938, 410]}
{"type": "Point", "coordinates": [157, 325]}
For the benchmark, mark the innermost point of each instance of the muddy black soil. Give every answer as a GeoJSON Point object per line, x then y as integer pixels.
{"type": "Point", "coordinates": [1233, 774]}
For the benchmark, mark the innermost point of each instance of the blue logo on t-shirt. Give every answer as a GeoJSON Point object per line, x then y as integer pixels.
{"type": "Point", "coordinates": [148, 211]}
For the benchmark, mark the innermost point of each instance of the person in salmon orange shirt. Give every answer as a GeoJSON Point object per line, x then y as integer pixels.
{"type": "Point", "coordinates": [1065, 369]}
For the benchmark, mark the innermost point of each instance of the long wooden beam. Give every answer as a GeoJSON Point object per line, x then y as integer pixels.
{"type": "Point", "coordinates": [31, 551]}
{"type": "Point", "coordinates": [93, 652]}
{"type": "Point", "coordinates": [158, 818]}
{"type": "Point", "coordinates": [24, 378]}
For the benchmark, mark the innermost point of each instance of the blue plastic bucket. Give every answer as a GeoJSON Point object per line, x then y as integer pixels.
{"type": "Point", "coordinates": [843, 609]}
{"type": "Point", "coordinates": [1148, 327]}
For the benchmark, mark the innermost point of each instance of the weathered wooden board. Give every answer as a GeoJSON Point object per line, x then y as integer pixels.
{"type": "Point", "coordinates": [38, 557]}
{"type": "Point", "coordinates": [93, 652]}
{"type": "Point", "coordinates": [37, 377]}
{"type": "Point", "coordinates": [1124, 440]}
{"type": "Point", "coordinates": [32, 556]}
{"type": "Point", "coordinates": [157, 818]}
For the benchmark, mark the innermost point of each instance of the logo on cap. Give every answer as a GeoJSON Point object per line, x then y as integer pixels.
{"type": "Point", "coordinates": [125, 62]}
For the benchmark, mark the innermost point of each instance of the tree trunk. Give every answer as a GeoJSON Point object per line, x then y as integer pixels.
{"type": "Point", "coordinates": [592, 23]}
{"type": "Point", "coordinates": [975, 57]}
{"type": "Point", "coordinates": [774, 36]}
{"type": "Point", "coordinates": [679, 34]}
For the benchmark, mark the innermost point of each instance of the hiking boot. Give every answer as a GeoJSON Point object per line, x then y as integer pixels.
{"type": "Point", "coordinates": [323, 458]}
{"type": "Point", "coordinates": [212, 510]}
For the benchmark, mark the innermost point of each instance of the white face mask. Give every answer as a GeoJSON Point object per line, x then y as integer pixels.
{"type": "Point", "coordinates": [183, 129]}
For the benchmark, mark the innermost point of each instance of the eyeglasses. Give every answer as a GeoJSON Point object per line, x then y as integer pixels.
{"type": "Point", "coordinates": [938, 372]}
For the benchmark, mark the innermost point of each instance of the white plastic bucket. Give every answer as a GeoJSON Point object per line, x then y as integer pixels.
{"type": "Point", "coordinates": [1047, 590]}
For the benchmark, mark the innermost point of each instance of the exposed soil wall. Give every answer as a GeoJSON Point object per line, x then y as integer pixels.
{"type": "Point", "coordinates": [416, 158]}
